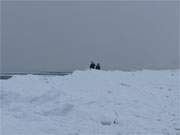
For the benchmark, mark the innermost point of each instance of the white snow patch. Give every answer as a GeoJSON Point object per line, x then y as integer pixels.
{"type": "Point", "coordinates": [92, 103]}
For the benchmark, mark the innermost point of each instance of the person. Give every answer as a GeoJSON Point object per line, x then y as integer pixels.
{"type": "Point", "coordinates": [92, 65]}
{"type": "Point", "coordinates": [98, 67]}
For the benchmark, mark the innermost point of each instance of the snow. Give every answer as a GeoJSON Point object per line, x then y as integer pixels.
{"type": "Point", "coordinates": [92, 103]}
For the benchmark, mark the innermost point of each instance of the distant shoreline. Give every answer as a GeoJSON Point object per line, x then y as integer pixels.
{"type": "Point", "coordinates": [5, 76]}
{"type": "Point", "coordinates": [35, 73]}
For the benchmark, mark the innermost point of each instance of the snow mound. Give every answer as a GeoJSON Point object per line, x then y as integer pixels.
{"type": "Point", "coordinates": [92, 102]}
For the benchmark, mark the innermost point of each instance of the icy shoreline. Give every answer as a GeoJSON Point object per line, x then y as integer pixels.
{"type": "Point", "coordinates": [92, 103]}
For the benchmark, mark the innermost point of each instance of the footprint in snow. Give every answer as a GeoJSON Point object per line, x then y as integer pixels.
{"type": "Point", "coordinates": [61, 111]}
{"type": "Point", "coordinates": [124, 84]}
{"type": "Point", "coordinates": [106, 123]}
{"type": "Point", "coordinates": [109, 92]}
{"type": "Point", "coordinates": [169, 89]}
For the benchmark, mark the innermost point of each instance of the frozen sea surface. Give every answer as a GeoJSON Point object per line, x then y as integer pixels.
{"type": "Point", "coordinates": [92, 103]}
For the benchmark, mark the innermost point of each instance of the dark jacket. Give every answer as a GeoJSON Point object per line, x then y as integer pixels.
{"type": "Point", "coordinates": [98, 67]}
{"type": "Point", "coordinates": [92, 65]}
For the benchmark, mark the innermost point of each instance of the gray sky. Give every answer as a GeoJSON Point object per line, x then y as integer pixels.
{"type": "Point", "coordinates": [64, 36]}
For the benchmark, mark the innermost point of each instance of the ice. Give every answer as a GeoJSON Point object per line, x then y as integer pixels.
{"type": "Point", "coordinates": [92, 102]}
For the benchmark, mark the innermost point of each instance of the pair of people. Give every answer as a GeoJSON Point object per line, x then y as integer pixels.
{"type": "Point", "coordinates": [94, 66]}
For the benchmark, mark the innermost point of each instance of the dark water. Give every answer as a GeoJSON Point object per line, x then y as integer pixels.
{"type": "Point", "coordinates": [5, 76]}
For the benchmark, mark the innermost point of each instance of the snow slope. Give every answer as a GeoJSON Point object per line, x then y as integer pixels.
{"type": "Point", "coordinates": [92, 103]}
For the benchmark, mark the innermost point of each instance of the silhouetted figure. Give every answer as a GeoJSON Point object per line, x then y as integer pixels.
{"type": "Point", "coordinates": [98, 67]}
{"type": "Point", "coordinates": [92, 65]}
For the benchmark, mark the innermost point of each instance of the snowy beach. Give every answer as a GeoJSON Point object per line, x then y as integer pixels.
{"type": "Point", "coordinates": [92, 103]}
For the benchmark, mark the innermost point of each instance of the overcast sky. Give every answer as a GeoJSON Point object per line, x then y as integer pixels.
{"type": "Point", "coordinates": [65, 36]}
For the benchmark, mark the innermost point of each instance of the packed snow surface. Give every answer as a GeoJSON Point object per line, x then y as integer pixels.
{"type": "Point", "coordinates": [92, 103]}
